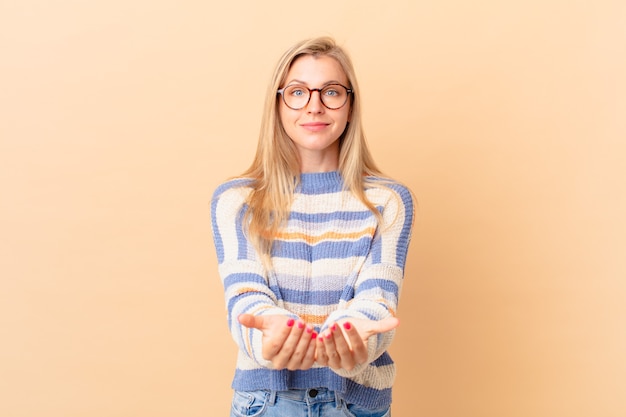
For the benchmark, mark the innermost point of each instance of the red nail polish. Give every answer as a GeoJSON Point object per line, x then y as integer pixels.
{"type": "Point", "coordinates": [309, 330]}
{"type": "Point", "coordinates": [300, 325]}
{"type": "Point", "coordinates": [333, 327]}
{"type": "Point", "coordinates": [290, 322]}
{"type": "Point", "coordinates": [347, 326]}
{"type": "Point", "coordinates": [314, 335]}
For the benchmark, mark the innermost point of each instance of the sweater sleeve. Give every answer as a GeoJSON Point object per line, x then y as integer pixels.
{"type": "Point", "coordinates": [245, 282]}
{"type": "Point", "coordinates": [377, 286]}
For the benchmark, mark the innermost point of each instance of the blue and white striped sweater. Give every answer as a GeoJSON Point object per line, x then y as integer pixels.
{"type": "Point", "coordinates": [331, 261]}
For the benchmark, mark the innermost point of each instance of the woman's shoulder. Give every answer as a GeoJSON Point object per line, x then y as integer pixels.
{"type": "Point", "coordinates": [386, 187]}
{"type": "Point", "coordinates": [233, 187]}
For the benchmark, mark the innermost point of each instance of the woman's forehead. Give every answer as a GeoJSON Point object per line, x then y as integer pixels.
{"type": "Point", "coordinates": [313, 70]}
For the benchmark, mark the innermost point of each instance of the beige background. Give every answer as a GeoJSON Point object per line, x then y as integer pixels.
{"type": "Point", "coordinates": [507, 119]}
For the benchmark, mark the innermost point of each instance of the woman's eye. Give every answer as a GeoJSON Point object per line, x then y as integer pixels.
{"type": "Point", "coordinates": [297, 92]}
{"type": "Point", "coordinates": [331, 92]}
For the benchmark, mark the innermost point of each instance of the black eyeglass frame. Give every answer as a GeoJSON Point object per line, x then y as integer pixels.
{"type": "Point", "coordinates": [311, 90]}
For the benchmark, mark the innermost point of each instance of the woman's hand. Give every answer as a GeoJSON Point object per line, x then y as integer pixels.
{"type": "Point", "coordinates": [286, 342]}
{"type": "Point", "coordinates": [344, 344]}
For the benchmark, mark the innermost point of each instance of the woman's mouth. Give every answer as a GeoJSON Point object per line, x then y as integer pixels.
{"type": "Point", "coordinates": [314, 126]}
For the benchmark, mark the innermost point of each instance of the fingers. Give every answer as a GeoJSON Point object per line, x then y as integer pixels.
{"type": "Point", "coordinates": [286, 343]}
{"type": "Point", "coordinates": [366, 328]}
{"type": "Point", "coordinates": [346, 356]}
{"type": "Point", "coordinates": [385, 325]}
{"type": "Point", "coordinates": [303, 354]}
{"type": "Point", "coordinates": [293, 345]}
{"type": "Point", "coordinates": [282, 358]}
{"type": "Point", "coordinates": [275, 336]}
{"type": "Point", "coordinates": [309, 358]}
{"type": "Point", "coordinates": [344, 347]}
{"type": "Point", "coordinates": [337, 350]}
{"type": "Point", "coordinates": [334, 360]}
{"type": "Point", "coordinates": [295, 353]}
{"type": "Point", "coordinates": [253, 322]}
{"type": "Point", "coordinates": [358, 348]}
{"type": "Point", "coordinates": [321, 357]}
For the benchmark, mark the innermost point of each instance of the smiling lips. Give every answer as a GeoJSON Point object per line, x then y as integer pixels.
{"type": "Point", "coordinates": [314, 126]}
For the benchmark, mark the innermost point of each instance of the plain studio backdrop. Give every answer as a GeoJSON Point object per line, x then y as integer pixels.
{"type": "Point", "coordinates": [506, 118]}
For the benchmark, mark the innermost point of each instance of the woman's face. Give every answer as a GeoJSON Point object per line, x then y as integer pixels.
{"type": "Point", "coordinates": [315, 129]}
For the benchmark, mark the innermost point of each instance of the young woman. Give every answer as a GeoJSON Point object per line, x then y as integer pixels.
{"type": "Point", "coordinates": [311, 243]}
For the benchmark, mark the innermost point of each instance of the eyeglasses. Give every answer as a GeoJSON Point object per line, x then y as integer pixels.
{"type": "Point", "coordinates": [333, 96]}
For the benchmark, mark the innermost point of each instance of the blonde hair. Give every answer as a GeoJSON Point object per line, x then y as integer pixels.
{"type": "Point", "coordinates": [275, 170]}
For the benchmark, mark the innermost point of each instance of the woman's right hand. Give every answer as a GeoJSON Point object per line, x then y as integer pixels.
{"type": "Point", "coordinates": [286, 342]}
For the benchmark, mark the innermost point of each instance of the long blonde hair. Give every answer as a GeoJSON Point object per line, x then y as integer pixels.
{"type": "Point", "coordinates": [275, 170]}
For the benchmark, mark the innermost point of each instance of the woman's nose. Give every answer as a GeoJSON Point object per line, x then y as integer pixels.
{"type": "Point", "coordinates": [315, 102]}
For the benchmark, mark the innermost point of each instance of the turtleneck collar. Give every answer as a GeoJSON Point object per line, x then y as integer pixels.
{"type": "Point", "coordinates": [320, 182]}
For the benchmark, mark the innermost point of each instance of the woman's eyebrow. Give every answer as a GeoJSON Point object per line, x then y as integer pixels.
{"type": "Point", "coordinates": [295, 81]}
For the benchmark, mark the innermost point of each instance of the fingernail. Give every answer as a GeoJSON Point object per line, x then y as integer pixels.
{"type": "Point", "coordinates": [314, 335]}
{"type": "Point", "coordinates": [347, 326]}
{"type": "Point", "coordinates": [333, 327]}
{"type": "Point", "coordinates": [290, 322]}
{"type": "Point", "coordinates": [309, 330]}
{"type": "Point", "coordinates": [300, 325]}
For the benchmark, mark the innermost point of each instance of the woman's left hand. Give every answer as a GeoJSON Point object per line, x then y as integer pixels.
{"type": "Point", "coordinates": [344, 345]}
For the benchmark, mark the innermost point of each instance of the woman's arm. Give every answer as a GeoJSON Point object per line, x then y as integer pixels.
{"type": "Point", "coordinates": [269, 334]}
{"type": "Point", "coordinates": [371, 312]}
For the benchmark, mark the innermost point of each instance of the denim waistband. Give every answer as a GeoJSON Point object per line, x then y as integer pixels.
{"type": "Point", "coordinates": [309, 396]}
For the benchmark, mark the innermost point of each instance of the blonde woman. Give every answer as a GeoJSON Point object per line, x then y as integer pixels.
{"type": "Point", "coordinates": [311, 244]}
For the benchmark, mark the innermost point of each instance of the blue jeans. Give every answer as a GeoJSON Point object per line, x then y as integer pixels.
{"type": "Point", "coordinates": [318, 402]}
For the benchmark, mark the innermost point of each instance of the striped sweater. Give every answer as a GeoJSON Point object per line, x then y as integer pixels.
{"type": "Point", "coordinates": [332, 261]}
